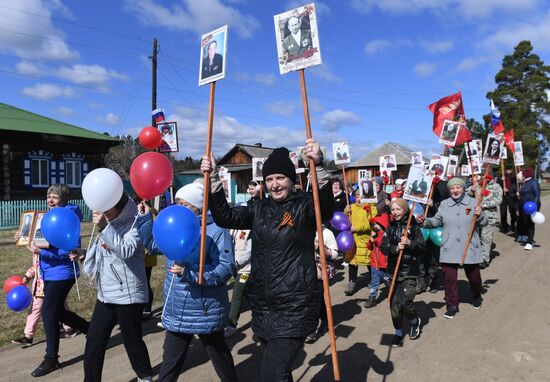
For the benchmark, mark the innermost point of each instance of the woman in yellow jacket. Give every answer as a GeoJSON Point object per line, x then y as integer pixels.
{"type": "Point", "coordinates": [361, 214]}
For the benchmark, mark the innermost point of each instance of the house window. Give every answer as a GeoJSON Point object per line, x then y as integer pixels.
{"type": "Point", "coordinates": [40, 172]}
{"type": "Point", "coordinates": [73, 173]}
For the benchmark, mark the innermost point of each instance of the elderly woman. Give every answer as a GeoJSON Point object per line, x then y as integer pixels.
{"type": "Point", "coordinates": [455, 215]}
{"type": "Point", "coordinates": [283, 291]}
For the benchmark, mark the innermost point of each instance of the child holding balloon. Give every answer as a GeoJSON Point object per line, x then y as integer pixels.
{"type": "Point", "coordinates": [191, 308]}
{"type": "Point", "coordinates": [59, 274]}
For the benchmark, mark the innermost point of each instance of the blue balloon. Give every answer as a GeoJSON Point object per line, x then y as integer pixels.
{"type": "Point", "coordinates": [19, 298]}
{"type": "Point", "coordinates": [176, 231]}
{"type": "Point", "coordinates": [425, 233]}
{"type": "Point", "coordinates": [61, 228]}
{"type": "Point", "coordinates": [529, 207]}
{"type": "Point", "coordinates": [418, 209]}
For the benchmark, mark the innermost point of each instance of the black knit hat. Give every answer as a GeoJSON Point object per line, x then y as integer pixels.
{"type": "Point", "coordinates": [278, 162]}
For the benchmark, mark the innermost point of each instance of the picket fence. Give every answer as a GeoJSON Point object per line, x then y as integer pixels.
{"type": "Point", "coordinates": [10, 211]}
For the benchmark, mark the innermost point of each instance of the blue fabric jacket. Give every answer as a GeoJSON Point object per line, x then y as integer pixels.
{"type": "Point", "coordinates": [529, 191]}
{"type": "Point", "coordinates": [189, 307]}
{"type": "Point", "coordinates": [55, 264]}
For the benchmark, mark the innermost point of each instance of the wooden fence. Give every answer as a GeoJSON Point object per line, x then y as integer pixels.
{"type": "Point", "coordinates": [10, 211]}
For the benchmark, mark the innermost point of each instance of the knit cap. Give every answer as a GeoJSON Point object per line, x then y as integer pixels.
{"type": "Point", "coordinates": [278, 162]}
{"type": "Point", "coordinates": [454, 182]}
{"type": "Point", "coordinates": [192, 194]}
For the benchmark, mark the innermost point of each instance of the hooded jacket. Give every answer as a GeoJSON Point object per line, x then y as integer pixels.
{"type": "Point", "coordinates": [377, 258]}
{"type": "Point", "coordinates": [282, 288]}
{"type": "Point", "coordinates": [410, 263]}
{"type": "Point", "coordinates": [117, 261]}
{"type": "Point", "coordinates": [55, 264]}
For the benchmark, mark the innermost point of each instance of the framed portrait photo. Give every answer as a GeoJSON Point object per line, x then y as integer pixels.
{"type": "Point", "coordinates": [37, 237]}
{"type": "Point", "coordinates": [213, 56]}
{"type": "Point", "coordinates": [453, 165]}
{"type": "Point", "coordinates": [449, 132]}
{"type": "Point", "coordinates": [419, 183]}
{"type": "Point", "coordinates": [169, 132]}
{"type": "Point", "coordinates": [492, 150]}
{"type": "Point", "coordinates": [475, 162]}
{"type": "Point", "coordinates": [257, 166]}
{"type": "Point", "coordinates": [297, 39]}
{"type": "Point", "coordinates": [518, 154]}
{"type": "Point", "coordinates": [416, 158]}
{"type": "Point", "coordinates": [341, 152]}
{"type": "Point", "coordinates": [295, 158]}
{"type": "Point", "coordinates": [465, 170]}
{"type": "Point", "coordinates": [26, 228]}
{"type": "Point", "coordinates": [387, 163]}
{"type": "Point", "coordinates": [475, 146]}
{"type": "Point", "coordinates": [439, 163]}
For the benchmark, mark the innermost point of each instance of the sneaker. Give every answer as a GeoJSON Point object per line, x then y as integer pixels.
{"type": "Point", "coordinates": [24, 341]}
{"type": "Point", "coordinates": [147, 314]}
{"type": "Point", "coordinates": [451, 312]}
{"type": "Point", "coordinates": [230, 331]}
{"type": "Point", "coordinates": [69, 334]}
{"type": "Point", "coordinates": [159, 324]}
{"type": "Point", "coordinates": [476, 303]}
{"type": "Point", "coordinates": [145, 379]}
{"type": "Point", "coordinates": [312, 338]}
{"type": "Point", "coordinates": [350, 288]}
{"type": "Point", "coordinates": [371, 302]}
{"type": "Point", "coordinates": [528, 247]}
{"type": "Point", "coordinates": [415, 330]}
{"type": "Point", "coordinates": [46, 367]}
{"type": "Point", "coordinates": [397, 341]}
{"type": "Point", "coordinates": [433, 289]}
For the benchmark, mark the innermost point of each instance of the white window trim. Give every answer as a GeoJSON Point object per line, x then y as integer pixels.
{"type": "Point", "coordinates": [40, 174]}
{"type": "Point", "coordinates": [75, 163]}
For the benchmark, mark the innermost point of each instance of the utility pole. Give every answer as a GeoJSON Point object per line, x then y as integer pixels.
{"type": "Point", "coordinates": [154, 82]}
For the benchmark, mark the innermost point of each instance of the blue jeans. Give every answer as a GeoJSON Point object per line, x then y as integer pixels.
{"type": "Point", "coordinates": [377, 276]}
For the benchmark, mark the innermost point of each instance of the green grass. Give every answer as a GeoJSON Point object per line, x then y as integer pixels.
{"type": "Point", "coordinates": [16, 260]}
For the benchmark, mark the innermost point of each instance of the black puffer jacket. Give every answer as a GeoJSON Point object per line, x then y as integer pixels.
{"type": "Point", "coordinates": [282, 288]}
{"type": "Point", "coordinates": [410, 264]}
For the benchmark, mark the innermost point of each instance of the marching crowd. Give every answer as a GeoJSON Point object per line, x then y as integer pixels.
{"type": "Point", "coordinates": [269, 245]}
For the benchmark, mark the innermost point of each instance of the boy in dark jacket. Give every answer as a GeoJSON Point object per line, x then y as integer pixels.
{"type": "Point", "coordinates": [413, 246]}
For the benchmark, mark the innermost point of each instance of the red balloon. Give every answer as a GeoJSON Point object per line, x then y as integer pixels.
{"type": "Point", "coordinates": [150, 138]}
{"type": "Point", "coordinates": [150, 174]}
{"type": "Point", "coordinates": [12, 282]}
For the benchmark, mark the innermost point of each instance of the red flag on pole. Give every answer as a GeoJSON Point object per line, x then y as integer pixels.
{"type": "Point", "coordinates": [509, 140]}
{"type": "Point", "coordinates": [450, 108]}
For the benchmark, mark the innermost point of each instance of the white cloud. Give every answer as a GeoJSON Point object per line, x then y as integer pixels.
{"type": "Point", "coordinates": [23, 35]}
{"type": "Point", "coordinates": [89, 74]}
{"type": "Point", "coordinates": [469, 9]}
{"type": "Point", "coordinates": [335, 119]}
{"type": "Point", "coordinates": [28, 68]}
{"type": "Point", "coordinates": [46, 92]}
{"type": "Point", "coordinates": [64, 111]}
{"type": "Point", "coordinates": [284, 108]}
{"type": "Point", "coordinates": [437, 46]}
{"type": "Point", "coordinates": [470, 63]}
{"type": "Point", "coordinates": [324, 72]}
{"type": "Point", "coordinates": [193, 16]}
{"type": "Point", "coordinates": [377, 45]}
{"type": "Point", "coordinates": [424, 69]}
{"type": "Point", "coordinates": [109, 119]}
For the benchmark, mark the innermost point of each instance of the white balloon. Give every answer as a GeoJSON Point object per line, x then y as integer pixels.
{"type": "Point", "coordinates": [102, 189]}
{"type": "Point", "coordinates": [538, 217]}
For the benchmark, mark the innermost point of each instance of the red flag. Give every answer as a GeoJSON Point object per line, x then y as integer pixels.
{"type": "Point", "coordinates": [449, 108]}
{"type": "Point", "coordinates": [509, 140]}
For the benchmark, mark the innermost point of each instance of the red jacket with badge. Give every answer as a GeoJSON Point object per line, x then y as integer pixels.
{"type": "Point", "coordinates": [377, 258]}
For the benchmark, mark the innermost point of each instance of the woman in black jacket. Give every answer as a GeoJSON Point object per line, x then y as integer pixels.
{"type": "Point", "coordinates": [282, 288]}
{"type": "Point", "coordinates": [402, 300]}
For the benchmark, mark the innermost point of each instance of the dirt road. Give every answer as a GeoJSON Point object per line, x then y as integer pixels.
{"type": "Point", "coordinates": [507, 340]}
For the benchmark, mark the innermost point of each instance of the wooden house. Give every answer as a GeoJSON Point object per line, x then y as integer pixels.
{"type": "Point", "coordinates": [38, 151]}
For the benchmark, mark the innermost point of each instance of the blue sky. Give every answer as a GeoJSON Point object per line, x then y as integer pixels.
{"type": "Point", "coordinates": [87, 63]}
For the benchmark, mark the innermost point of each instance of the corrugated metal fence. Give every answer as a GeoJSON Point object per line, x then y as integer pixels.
{"type": "Point", "coordinates": [10, 211]}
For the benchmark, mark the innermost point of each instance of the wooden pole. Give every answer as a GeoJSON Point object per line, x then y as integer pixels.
{"type": "Point", "coordinates": [301, 183]}
{"type": "Point", "coordinates": [206, 181]}
{"type": "Point", "coordinates": [429, 198]}
{"type": "Point", "coordinates": [474, 218]}
{"type": "Point", "coordinates": [346, 188]}
{"type": "Point", "coordinates": [261, 190]}
{"type": "Point", "coordinates": [503, 180]}
{"type": "Point", "coordinates": [315, 190]}
{"type": "Point", "coordinates": [405, 235]}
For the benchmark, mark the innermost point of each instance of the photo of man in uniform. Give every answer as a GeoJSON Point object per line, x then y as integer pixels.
{"type": "Point", "coordinates": [212, 64]}
{"type": "Point", "coordinates": [298, 39]}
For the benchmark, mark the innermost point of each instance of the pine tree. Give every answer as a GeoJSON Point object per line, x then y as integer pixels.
{"type": "Point", "coordinates": [521, 95]}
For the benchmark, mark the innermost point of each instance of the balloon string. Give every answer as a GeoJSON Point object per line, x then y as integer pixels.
{"type": "Point", "coordinates": [135, 220]}
{"type": "Point", "coordinates": [91, 239]}
{"type": "Point", "coordinates": [167, 297]}
{"type": "Point", "coordinates": [76, 281]}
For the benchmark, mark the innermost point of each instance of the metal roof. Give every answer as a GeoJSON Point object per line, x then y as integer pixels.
{"type": "Point", "coordinates": [402, 155]}
{"type": "Point", "coordinates": [253, 151]}
{"type": "Point", "coordinates": [19, 120]}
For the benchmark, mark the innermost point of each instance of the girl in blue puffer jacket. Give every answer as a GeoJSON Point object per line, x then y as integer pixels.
{"type": "Point", "coordinates": [191, 309]}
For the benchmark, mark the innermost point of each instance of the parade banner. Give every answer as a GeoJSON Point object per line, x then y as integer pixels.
{"type": "Point", "coordinates": [449, 132]}
{"type": "Point", "coordinates": [295, 158]}
{"type": "Point", "coordinates": [475, 163]}
{"type": "Point", "coordinates": [257, 166]}
{"type": "Point", "coordinates": [169, 131]}
{"type": "Point", "coordinates": [416, 158]}
{"type": "Point", "coordinates": [225, 177]}
{"type": "Point", "coordinates": [450, 108]}
{"type": "Point", "coordinates": [518, 154]}
{"type": "Point", "coordinates": [387, 163]}
{"type": "Point", "coordinates": [297, 39]}
{"type": "Point", "coordinates": [476, 147]}
{"type": "Point", "coordinates": [419, 182]}
{"type": "Point", "coordinates": [213, 56]}
{"type": "Point", "coordinates": [492, 152]}
{"type": "Point", "coordinates": [340, 151]}
{"type": "Point", "coordinates": [367, 189]}
{"type": "Point", "coordinates": [503, 152]}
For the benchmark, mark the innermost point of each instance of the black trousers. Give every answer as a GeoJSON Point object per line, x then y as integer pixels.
{"type": "Point", "coordinates": [505, 207]}
{"type": "Point", "coordinates": [104, 319]}
{"type": "Point", "coordinates": [54, 312]}
{"type": "Point", "coordinates": [402, 302]}
{"type": "Point", "coordinates": [526, 226]}
{"type": "Point", "coordinates": [278, 355]}
{"type": "Point", "coordinates": [176, 346]}
{"type": "Point", "coordinates": [148, 306]}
